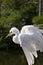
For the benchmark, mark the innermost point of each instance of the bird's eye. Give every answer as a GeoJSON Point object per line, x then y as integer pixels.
{"type": "Point", "coordinates": [11, 31]}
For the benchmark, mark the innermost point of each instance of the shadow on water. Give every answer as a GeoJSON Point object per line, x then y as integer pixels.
{"type": "Point", "coordinates": [15, 56]}
{"type": "Point", "coordinates": [12, 56]}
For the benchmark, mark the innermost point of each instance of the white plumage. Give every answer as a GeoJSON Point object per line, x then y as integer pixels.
{"type": "Point", "coordinates": [30, 39]}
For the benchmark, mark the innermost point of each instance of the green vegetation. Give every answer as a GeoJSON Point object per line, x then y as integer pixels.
{"type": "Point", "coordinates": [38, 20]}
{"type": "Point", "coordinates": [16, 13]}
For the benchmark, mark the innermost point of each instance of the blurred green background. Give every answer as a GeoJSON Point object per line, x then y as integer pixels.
{"type": "Point", "coordinates": [17, 13]}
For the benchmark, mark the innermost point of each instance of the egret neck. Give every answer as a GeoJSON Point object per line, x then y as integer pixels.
{"type": "Point", "coordinates": [15, 38]}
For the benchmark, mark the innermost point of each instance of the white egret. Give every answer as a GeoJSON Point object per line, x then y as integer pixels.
{"type": "Point", "coordinates": [30, 39]}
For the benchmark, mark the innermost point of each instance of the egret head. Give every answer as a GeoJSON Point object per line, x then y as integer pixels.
{"type": "Point", "coordinates": [13, 31]}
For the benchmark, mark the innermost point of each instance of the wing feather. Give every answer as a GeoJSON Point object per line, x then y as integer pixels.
{"type": "Point", "coordinates": [29, 56]}
{"type": "Point", "coordinates": [28, 47]}
{"type": "Point", "coordinates": [31, 40]}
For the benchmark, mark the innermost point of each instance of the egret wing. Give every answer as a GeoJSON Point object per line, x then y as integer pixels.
{"type": "Point", "coordinates": [28, 47]}
{"type": "Point", "coordinates": [29, 56]}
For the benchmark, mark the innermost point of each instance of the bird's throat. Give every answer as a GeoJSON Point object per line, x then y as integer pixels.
{"type": "Point", "coordinates": [15, 39]}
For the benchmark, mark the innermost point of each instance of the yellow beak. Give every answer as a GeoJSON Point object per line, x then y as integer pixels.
{"type": "Point", "coordinates": [9, 34]}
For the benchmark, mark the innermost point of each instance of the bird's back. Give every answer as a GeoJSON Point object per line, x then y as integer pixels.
{"type": "Point", "coordinates": [29, 29]}
{"type": "Point", "coordinates": [33, 33]}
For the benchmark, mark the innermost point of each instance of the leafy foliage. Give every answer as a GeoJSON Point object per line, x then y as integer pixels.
{"type": "Point", "coordinates": [38, 20]}
{"type": "Point", "coordinates": [15, 13]}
